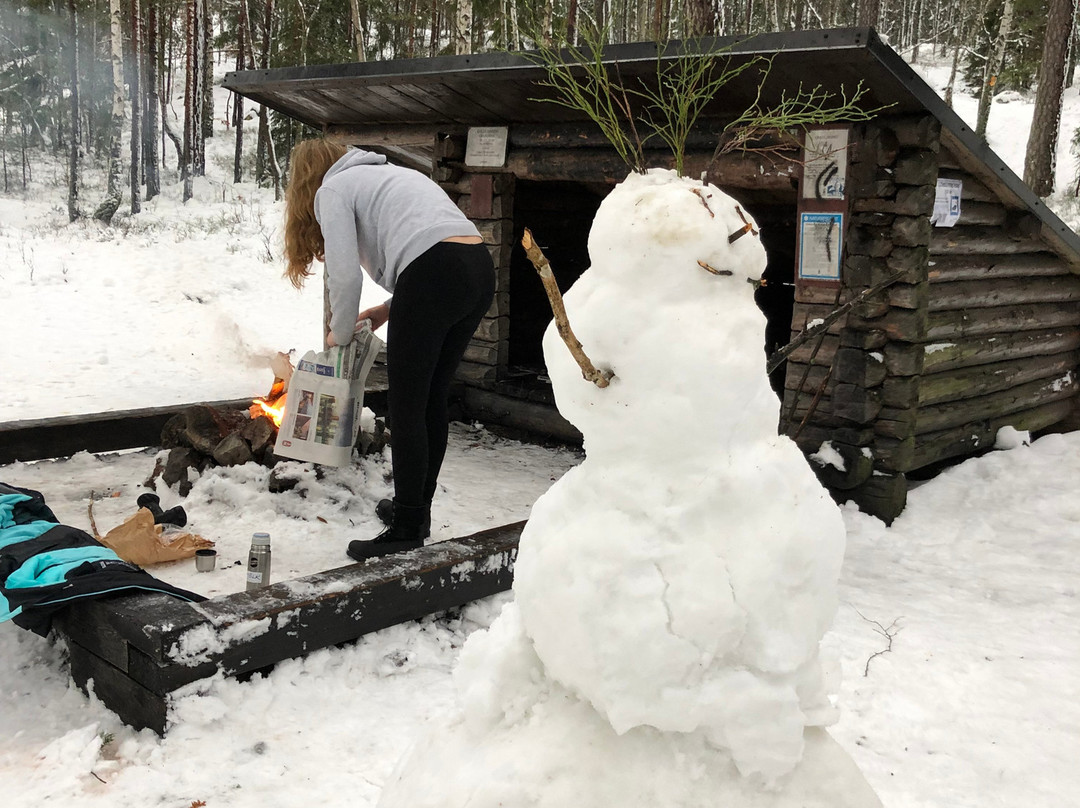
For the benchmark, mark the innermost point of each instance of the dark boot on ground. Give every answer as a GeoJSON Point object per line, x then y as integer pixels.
{"type": "Point", "coordinates": [384, 509]}
{"type": "Point", "coordinates": [409, 526]}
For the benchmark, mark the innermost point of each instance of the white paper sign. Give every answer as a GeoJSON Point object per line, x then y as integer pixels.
{"type": "Point", "coordinates": [486, 146]}
{"type": "Point", "coordinates": [947, 203]}
{"type": "Point", "coordinates": [825, 164]}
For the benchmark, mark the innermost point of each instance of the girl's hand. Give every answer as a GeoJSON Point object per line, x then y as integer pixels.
{"type": "Point", "coordinates": [377, 314]}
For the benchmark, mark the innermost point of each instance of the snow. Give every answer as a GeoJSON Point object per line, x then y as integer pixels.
{"type": "Point", "coordinates": [953, 652]}
{"type": "Point", "coordinates": [676, 623]}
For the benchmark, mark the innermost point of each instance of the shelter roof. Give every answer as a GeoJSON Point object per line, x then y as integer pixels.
{"type": "Point", "coordinates": [394, 102]}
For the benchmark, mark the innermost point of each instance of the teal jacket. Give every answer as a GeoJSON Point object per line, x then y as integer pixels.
{"type": "Point", "coordinates": [46, 566]}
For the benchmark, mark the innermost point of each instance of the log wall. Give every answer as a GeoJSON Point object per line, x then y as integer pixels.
{"type": "Point", "coordinates": [981, 331]}
{"type": "Point", "coordinates": [1002, 341]}
{"type": "Point", "coordinates": [838, 389]}
{"type": "Point", "coordinates": [488, 199]}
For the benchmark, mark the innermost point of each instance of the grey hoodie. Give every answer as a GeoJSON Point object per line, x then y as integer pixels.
{"type": "Point", "coordinates": [377, 217]}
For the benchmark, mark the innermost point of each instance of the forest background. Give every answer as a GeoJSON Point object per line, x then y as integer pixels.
{"type": "Point", "coordinates": [91, 82]}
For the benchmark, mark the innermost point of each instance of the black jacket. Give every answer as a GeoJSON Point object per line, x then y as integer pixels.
{"type": "Point", "coordinates": [46, 566]}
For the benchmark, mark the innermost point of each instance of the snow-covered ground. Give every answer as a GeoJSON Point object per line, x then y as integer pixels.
{"type": "Point", "coordinates": [957, 642]}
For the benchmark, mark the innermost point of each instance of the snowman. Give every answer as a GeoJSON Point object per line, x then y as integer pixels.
{"type": "Point", "coordinates": [671, 591]}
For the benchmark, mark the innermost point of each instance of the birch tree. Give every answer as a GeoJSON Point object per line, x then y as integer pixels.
{"type": "Point", "coordinates": [107, 209]}
{"type": "Point", "coordinates": [137, 101]}
{"type": "Point", "coordinates": [993, 67]}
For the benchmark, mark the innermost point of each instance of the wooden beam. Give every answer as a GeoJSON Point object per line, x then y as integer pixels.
{"type": "Point", "coordinates": [945, 268]}
{"type": "Point", "coordinates": [990, 292]}
{"type": "Point", "coordinates": [66, 435]}
{"type": "Point", "coordinates": [168, 643]}
{"type": "Point", "coordinates": [941, 357]}
{"type": "Point", "coordinates": [953, 414]}
{"type": "Point", "coordinates": [980, 380]}
{"type": "Point", "coordinates": [972, 438]}
{"type": "Point", "coordinates": [952, 325]}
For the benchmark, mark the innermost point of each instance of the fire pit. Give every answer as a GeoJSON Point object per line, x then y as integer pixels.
{"type": "Point", "coordinates": [203, 435]}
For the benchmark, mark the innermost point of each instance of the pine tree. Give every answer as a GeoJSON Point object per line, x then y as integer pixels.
{"type": "Point", "coordinates": [1039, 160]}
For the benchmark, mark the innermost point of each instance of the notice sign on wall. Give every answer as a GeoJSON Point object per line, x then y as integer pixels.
{"type": "Point", "coordinates": [825, 164]}
{"type": "Point", "coordinates": [947, 202]}
{"type": "Point", "coordinates": [821, 238]}
{"type": "Point", "coordinates": [486, 146]}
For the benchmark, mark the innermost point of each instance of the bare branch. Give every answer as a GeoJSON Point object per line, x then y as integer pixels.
{"type": "Point", "coordinates": [601, 378]}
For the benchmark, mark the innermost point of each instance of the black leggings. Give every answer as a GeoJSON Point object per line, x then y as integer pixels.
{"type": "Point", "coordinates": [439, 300]}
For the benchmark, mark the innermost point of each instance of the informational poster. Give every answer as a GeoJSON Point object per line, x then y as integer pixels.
{"type": "Point", "coordinates": [821, 238]}
{"type": "Point", "coordinates": [825, 164]}
{"type": "Point", "coordinates": [947, 203]}
{"type": "Point", "coordinates": [486, 146]}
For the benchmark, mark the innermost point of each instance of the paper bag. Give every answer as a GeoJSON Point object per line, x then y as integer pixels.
{"type": "Point", "coordinates": [139, 541]}
{"type": "Point", "coordinates": [324, 400]}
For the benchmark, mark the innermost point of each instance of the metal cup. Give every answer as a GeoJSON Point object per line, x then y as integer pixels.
{"type": "Point", "coordinates": [205, 560]}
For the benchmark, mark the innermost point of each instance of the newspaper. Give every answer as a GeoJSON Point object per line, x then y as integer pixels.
{"type": "Point", "coordinates": [324, 401]}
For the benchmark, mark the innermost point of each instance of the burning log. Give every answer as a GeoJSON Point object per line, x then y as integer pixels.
{"type": "Point", "coordinates": [203, 436]}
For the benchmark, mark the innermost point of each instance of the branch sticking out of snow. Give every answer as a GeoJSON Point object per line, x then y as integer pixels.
{"type": "Point", "coordinates": [601, 378]}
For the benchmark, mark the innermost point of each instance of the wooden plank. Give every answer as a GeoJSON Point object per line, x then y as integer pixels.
{"type": "Point", "coordinates": [981, 240]}
{"type": "Point", "coordinates": [965, 383]}
{"type": "Point", "coordinates": [972, 438]}
{"type": "Point", "coordinates": [952, 325]}
{"type": "Point", "coordinates": [135, 704]}
{"type": "Point", "coordinates": [981, 213]}
{"type": "Point", "coordinates": [1016, 399]}
{"type": "Point", "coordinates": [972, 190]}
{"type": "Point", "coordinates": [66, 435]}
{"type": "Point", "coordinates": [991, 292]}
{"type": "Point", "coordinates": [947, 268]}
{"type": "Point", "coordinates": [170, 643]}
{"type": "Point", "coordinates": [945, 356]}
{"type": "Point", "coordinates": [95, 432]}
{"type": "Point", "coordinates": [246, 631]}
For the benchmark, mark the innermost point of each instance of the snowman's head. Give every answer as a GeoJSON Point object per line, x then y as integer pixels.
{"type": "Point", "coordinates": [658, 223]}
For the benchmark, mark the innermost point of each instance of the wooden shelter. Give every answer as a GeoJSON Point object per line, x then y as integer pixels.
{"type": "Point", "coordinates": [980, 327]}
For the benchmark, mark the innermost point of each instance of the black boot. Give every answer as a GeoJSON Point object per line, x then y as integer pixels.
{"type": "Point", "coordinates": [384, 509]}
{"type": "Point", "coordinates": [409, 526]}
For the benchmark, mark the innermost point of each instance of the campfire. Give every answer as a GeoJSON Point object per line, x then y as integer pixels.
{"type": "Point", "coordinates": [203, 436]}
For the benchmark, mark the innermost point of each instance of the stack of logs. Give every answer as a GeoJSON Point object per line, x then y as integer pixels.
{"type": "Point", "coordinates": [202, 436]}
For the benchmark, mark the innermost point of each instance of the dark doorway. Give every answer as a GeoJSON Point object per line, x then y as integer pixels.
{"type": "Point", "coordinates": [559, 215]}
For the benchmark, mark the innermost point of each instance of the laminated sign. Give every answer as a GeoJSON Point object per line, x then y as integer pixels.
{"type": "Point", "coordinates": [324, 400]}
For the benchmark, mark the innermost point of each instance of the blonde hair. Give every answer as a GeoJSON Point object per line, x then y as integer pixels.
{"type": "Point", "coordinates": [310, 161]}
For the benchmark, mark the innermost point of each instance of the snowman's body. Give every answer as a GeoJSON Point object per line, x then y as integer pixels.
{"type": "Point", "coordinates": [672, 590]}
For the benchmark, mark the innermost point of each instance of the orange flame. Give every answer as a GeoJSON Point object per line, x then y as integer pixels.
{"type": "Point", "coordinates": [272, 406]}
{"type": "Point", "coordinates": [274, 413]}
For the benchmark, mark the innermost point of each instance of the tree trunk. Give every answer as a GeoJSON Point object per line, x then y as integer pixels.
{"type": "Point", "coordinates": [358, 29]}
{"type": "Point", "coordinates": [207, 86]}
{"type": "Point", "coordinates": [952, 72]}
{"type": "Point", "coordinates": [1042, 141]}
{"type": "Point", "coordinates": [265, 138]}
{"type": "Point", "coordinates": [238, 100]}
{"type": "Point", "coordinates": [152, 154]}
{"type": "Point", "coordinates": [463, 27]}
{"type": "Point", "coordinates": [869, 13]}
{"type": "Point", "coordinates": [993, 66]}
{"type": "Point", "coordinates": [191, 99]}
{"type": "Point", "coordinates": [135, 71]}
{"type": "Point", "coordinates": [107, 209]}
{"type": "Point", "coordinates": [75, 128]}
{"type": "Point", "coordinates": [1070, 68]}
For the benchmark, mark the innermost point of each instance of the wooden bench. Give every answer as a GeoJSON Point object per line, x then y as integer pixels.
{"type": "Point", "coordinates": [138, 649]}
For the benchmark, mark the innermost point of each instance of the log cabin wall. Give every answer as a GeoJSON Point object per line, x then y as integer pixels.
{"type": "Point", "coordinates": [853, 386]}
{"type": "Point", "coordinates": [1002, 338]}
